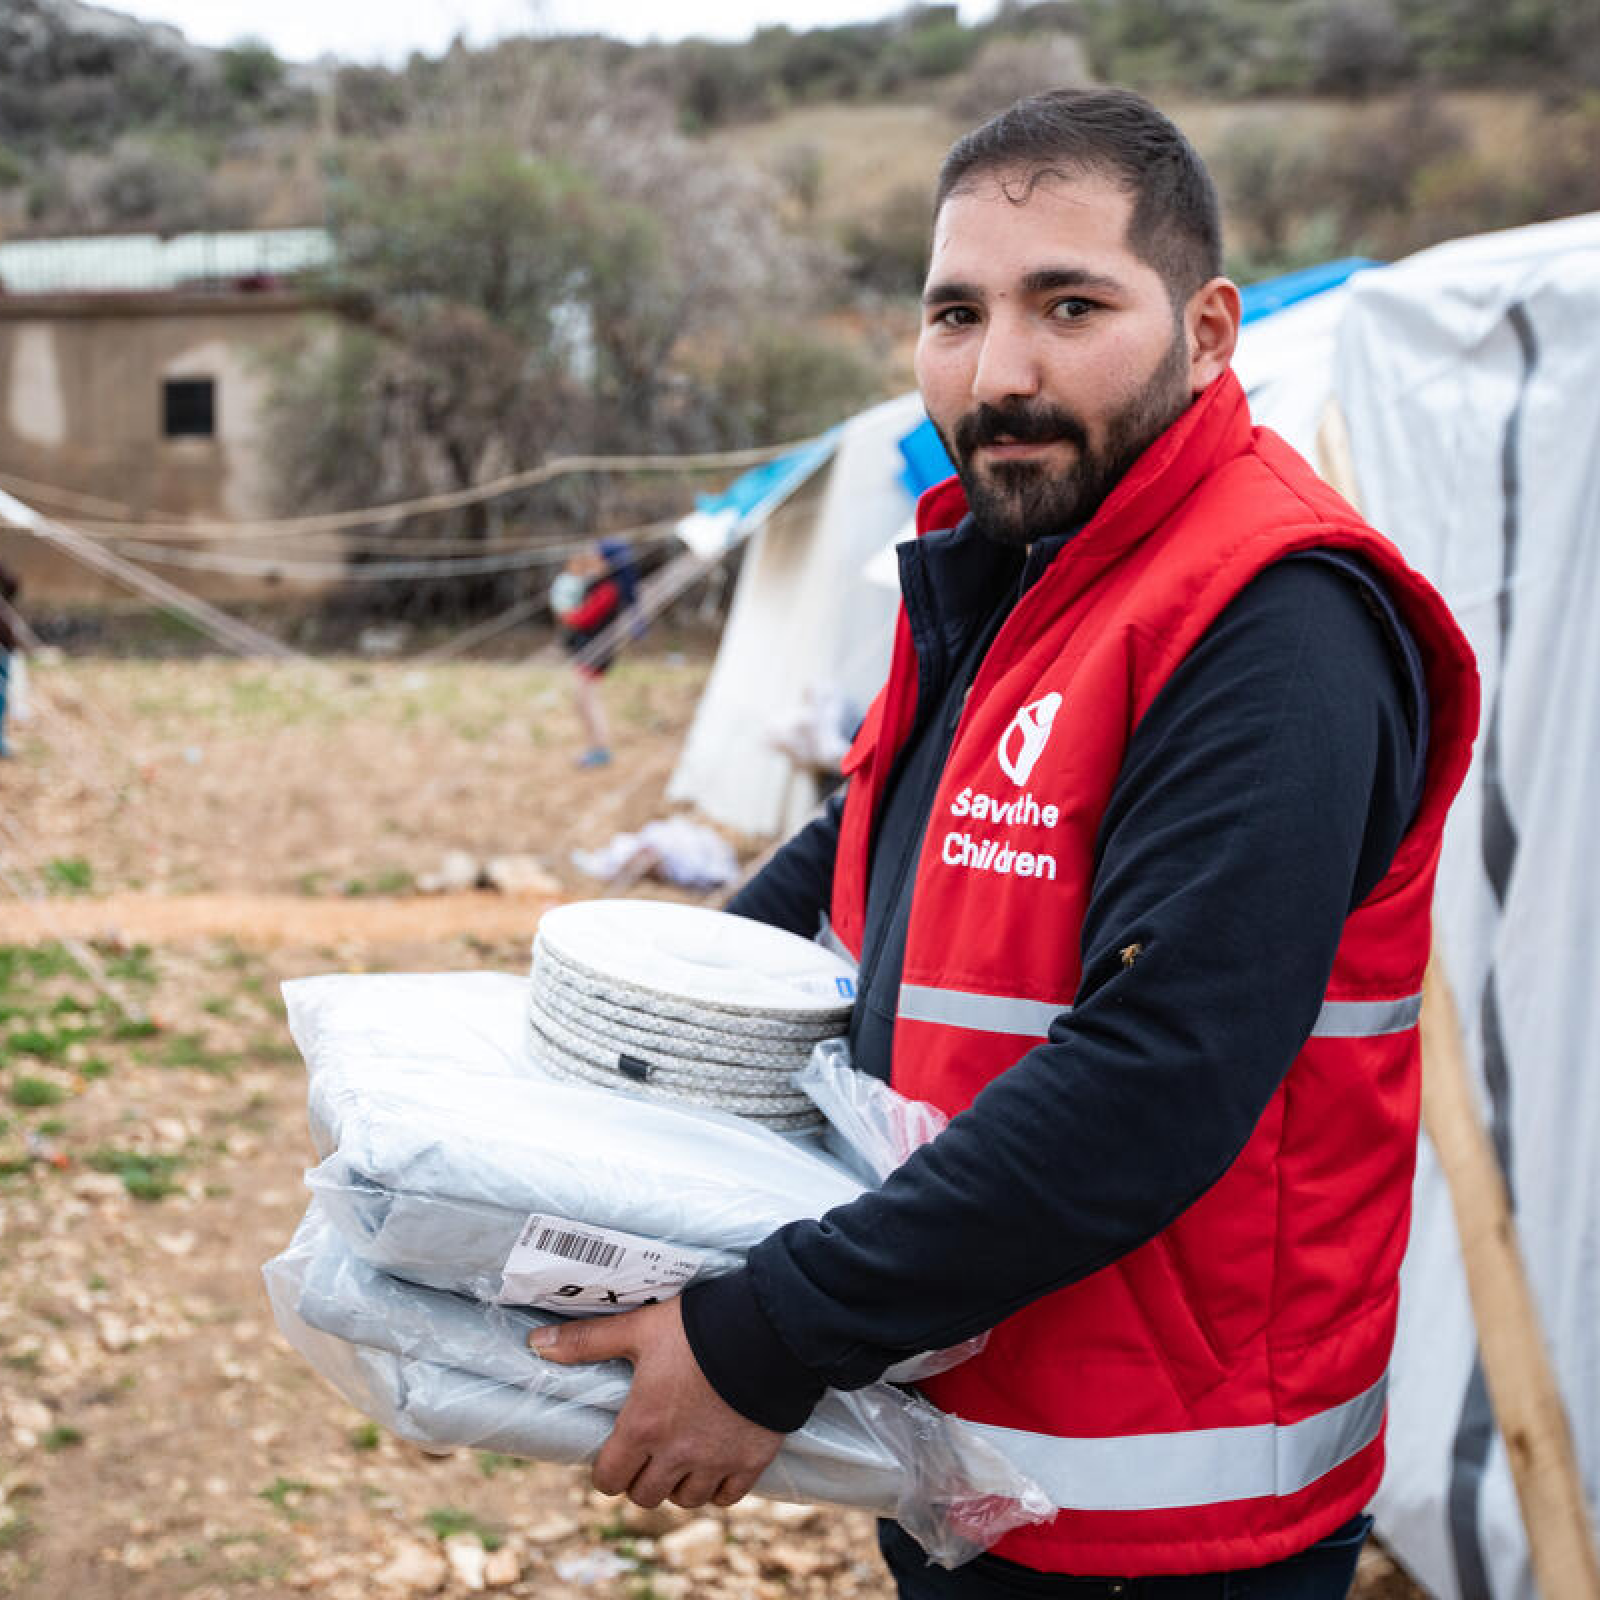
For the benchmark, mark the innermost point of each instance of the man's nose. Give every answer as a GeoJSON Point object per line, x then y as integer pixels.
{"type": "Point", "coordinates": [1008, 366]}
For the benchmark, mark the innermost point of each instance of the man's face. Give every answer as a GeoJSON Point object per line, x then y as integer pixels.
{"type": "Point", "coordinates": [1050, 354]}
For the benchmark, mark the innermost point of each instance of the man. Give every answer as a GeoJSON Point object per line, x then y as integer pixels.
{"type": "Point", "coordinates": [1136, 857]}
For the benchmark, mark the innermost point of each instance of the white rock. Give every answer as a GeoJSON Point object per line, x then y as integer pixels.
{"type": "Point", "coordinates": [552, 1529]}
{"type": "Point", "coordinates": [30, 1414]}
{"type": "Point", "coordinates": [458, 871]}
{"type": "Point", "coordinates": [520, 875]}
{"type": "Point", "coordinates": [503, 1568]}
{"type": "Point", "coordinates": [796, 1560]}
{"type": "Point", "coordinates": [413, 1569]}
{"type": "Point", "coordinates": [467, 1559]}
{"type": "Point", "coordinates": [113, 1332]}
{"type": "Point", "coordinates": [695, 1544]}
{"type": "Point", "coordinates": [791, 1514]}
{"type": "Point", "coordinates": [651, 1521]}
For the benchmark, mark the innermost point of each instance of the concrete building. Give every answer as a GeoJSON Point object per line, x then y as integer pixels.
{"type": "Point", "coordinates": [132, 376]}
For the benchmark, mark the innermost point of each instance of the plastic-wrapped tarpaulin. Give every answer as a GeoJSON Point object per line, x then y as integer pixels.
{"type": "Point", "coordinates": [443, 1369]}
{"type": "Point", "coordinates": [1467, 377]}
{"type": "Point", "coordinates": [446, 1151]}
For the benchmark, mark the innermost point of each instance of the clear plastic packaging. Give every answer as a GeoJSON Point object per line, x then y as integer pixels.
{"type": "Point", "coordinates": [444, 1146]}
{"type": "Point", "coordinates": [870, 1127]}
{"type": "Point", "coordinates": [445, 1370]}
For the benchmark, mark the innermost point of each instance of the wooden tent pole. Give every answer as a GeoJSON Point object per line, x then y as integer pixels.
{"type": "Point", "coordinates": [1516, 1365]}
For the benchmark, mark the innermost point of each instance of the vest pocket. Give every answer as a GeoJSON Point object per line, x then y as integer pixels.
{"type": "Point", "coordinates": [1166, 1306]}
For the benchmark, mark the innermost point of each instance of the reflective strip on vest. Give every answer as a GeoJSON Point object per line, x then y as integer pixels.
{"type": "Point", "coordinates": [982, 1013]}
{"type": "Point", "coordinates": [1167, 1471]}
{"type": "Point", "coordinates": [1366, 1019]}
{"type": "Point", "coordinates": [1004, 1013]}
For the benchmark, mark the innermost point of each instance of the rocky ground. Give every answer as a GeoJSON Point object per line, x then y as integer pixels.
{"type": "Point", "coordinates": [214, 828]}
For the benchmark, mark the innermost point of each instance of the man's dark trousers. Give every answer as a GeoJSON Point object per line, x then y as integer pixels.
{"type": "Point", "coordinates": [1323, 1572]}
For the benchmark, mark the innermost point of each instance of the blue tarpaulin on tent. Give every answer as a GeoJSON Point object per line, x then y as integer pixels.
{"type": "Point", "coordinates": [1273, 294]}
{"type": "Point", "coordinates": [755, 493]}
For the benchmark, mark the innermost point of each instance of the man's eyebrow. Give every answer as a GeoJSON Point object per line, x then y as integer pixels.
{"type": "Point", "coordinates": [1048, 278]}
{"type": "Point", "coordinates": [1041, 281]}
{"type": "Point", "coordinates": [943, 294]}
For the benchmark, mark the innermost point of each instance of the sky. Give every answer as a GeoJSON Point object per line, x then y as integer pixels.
{"type": "Point", "coordinates": [389, 30]}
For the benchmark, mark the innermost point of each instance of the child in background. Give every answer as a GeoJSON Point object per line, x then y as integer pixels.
{"type": "Point", "coordinates": [585, 599]}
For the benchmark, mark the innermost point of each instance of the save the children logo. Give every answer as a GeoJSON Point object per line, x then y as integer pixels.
{"type": "Point", "coordinates": [1024, 740]}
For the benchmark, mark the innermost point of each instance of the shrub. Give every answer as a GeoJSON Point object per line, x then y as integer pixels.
{"type": "Point", "coordinates": [888, 247]}
{"type": "Point", "coordinates": [1009, 68]}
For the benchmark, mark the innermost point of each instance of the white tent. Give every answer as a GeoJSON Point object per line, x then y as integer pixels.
{"type": "Point", "coordinates": [803, 619]}
{"type": "Point", "coordinates": [1466, 375]}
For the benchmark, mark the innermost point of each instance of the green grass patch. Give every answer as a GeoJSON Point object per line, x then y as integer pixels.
{"type": "Point", "coordinates": [52, 1127]}
{"type": "Point", "coordinates": [62, 1437]}
{"type": "Point", "coordinates": [393, 880]}
{"type": "Point", "coordinates": [284, 1493]}
{"type": "Point", "coordinates": [14, 1528]}
{"type": "Point", "coordinates": [134, 1028]}
{"type": "Point", "coordinates": [491, 1462]}
{"type": "Point", "coordinates": [190, 1050]}
{"type": "Point", "coordinates": [19, 962]}
{"type": "Point", "coordinates": [144, 1176]}
{"type": "Point", "coordinates": [41, 1044]}
{"type": "Point", "coordinates": [32, 1092]}
{"type": "Point", "coordinates": [272, 1047]}
{"type": "Point", "coordinates": [94, 1067]}
{"type": "Point", "coordinates": [137, 965]}
{"type": "Point", "coordinates": [447, 1521]}
{"type": "Point", "coordinates": [68, 875]}
{"type": "Point", "coordinates": [365, 1436]}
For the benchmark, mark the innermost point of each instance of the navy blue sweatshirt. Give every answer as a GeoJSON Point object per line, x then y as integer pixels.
{"type": "Point", "coordinates": [1262, 796]}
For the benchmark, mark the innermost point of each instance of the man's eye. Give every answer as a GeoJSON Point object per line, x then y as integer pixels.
{"type": "Point", "coordinates": [955, 317]}
{"type": "Point", "coordinates": [1071, 310]}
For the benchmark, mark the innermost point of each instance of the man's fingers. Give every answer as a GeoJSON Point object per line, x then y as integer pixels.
{"type": "Point", "coordinates": [577, 1343]}
{"type": "Point", "coordinates": [696, 1489]}
{"type": "Point", "coordinates": [734, 1488]}
{"type": "Point", "coordinates": [653, 1482]}
{"type": "Point", "coordinates": [617, 1465]}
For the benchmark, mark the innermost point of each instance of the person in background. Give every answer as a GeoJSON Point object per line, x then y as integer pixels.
{"type": "Point", "coordinates": [10, 643]}
{"type": "Point", "coordinates": [586, 598]}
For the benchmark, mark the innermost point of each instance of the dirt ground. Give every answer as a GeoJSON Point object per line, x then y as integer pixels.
{"type": "Point", "coordinates": [213, 828]}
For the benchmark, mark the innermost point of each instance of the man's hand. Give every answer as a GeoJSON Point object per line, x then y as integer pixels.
{"type": "Point", "coordinates": [676, 1438]}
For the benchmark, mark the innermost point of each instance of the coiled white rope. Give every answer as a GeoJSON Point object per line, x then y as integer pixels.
{"type": "Point", "coordinates": [638, 995]}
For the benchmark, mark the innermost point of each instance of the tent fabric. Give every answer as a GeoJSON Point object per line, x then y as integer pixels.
{"type": "Point", "coordinates": [802, 617]}
{"type": "Point", "coordinates": [1466, 377]}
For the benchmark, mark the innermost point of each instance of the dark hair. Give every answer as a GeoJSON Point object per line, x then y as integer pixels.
{"type": "Point", "coordinates": [1176, 224]}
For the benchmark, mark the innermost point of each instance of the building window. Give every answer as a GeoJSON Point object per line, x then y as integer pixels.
{"type": "Point", "coordinates": [189, 408]}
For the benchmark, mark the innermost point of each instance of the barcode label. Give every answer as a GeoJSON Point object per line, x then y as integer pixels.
{"type": "Point", "coordinates": [584, 1247]}
{"type": "Point", "coordinates": [562, 1265]}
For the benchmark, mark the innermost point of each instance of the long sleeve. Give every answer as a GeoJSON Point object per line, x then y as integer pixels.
{"type": "Point", "coordinates": [792, 890]}
{"type": "Point", "coordinates": [1262, 795]}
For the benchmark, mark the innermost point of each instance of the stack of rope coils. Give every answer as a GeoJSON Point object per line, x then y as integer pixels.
{"type": "Point", "coordinates": [680, 1003]}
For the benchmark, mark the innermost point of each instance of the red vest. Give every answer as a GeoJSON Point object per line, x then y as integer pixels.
{"type": "Point", "coordinates": [1215, 1398]}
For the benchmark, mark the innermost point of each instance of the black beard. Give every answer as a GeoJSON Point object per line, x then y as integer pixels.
{"type": "Point", "coordinates": [1016, 502]}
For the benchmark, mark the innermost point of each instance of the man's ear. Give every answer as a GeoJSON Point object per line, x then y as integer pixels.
{"type": "Point", "coordinates": [1211, 326]}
